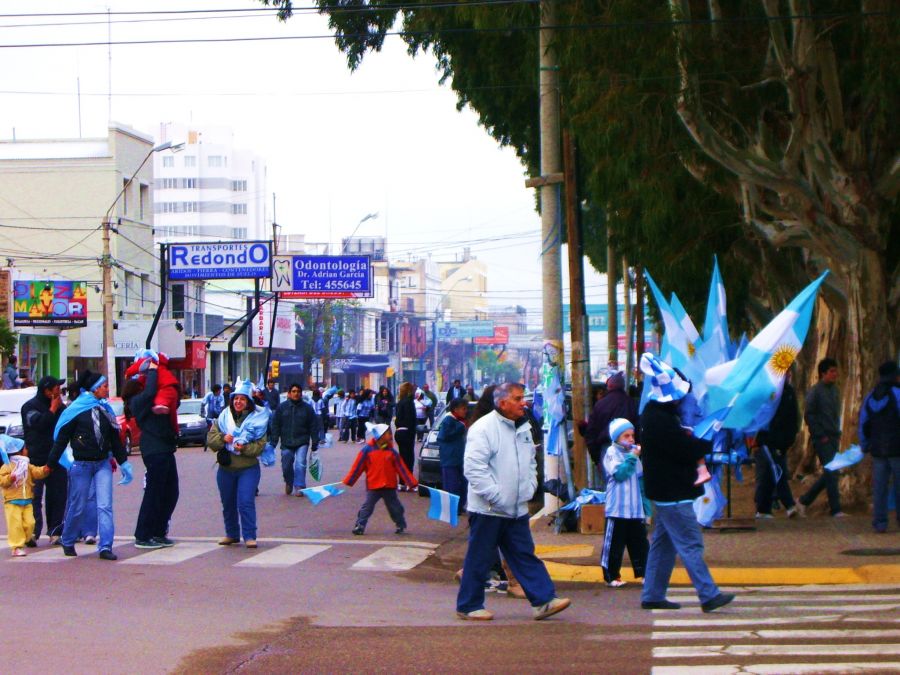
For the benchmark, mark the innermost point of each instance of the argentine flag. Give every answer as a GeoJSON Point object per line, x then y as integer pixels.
{"type": "Point", "coordinates": [320, 492]}
{"type": "Point", "coordinates": [716, 346]}
{"type": "Point", "coordinates": [752, 382]}
{"type": "Point", "coordinates": [444, 506]}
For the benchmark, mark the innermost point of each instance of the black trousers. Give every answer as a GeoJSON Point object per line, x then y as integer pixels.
{"type": "Point", "coordinates": [766, 487]}
{"type": "Point", "coordinates": [391, 501]}
{"type": "Point", "coordinates": [160, 496]}
{"type": "Point", "coordinates": [621, 533]}
{"type": "Point", "coordinates": [406, 446]}
{"type": "Point", "coordinates": [52, 490]}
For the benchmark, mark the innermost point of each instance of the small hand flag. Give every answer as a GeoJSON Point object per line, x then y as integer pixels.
{"type": "Point", "coordinates": [444, 506]}
{"type": "Point", "coordinates": [320, 492]}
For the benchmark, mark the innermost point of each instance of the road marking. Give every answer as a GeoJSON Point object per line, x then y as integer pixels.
{"type": "Point", "coordinates": [392, 559]}
{"type": "Point", "coordinates": [750, 597]}
{"type": "Point", "coordinates": [705, 651]}
{"type": "Point", "coordinates": [726, 621]}
{"type": "Point", "coordinates": [171, 555]}
{"type": "Point", "coordinates": [779, 668]}
{"type": "Point", "coordinates": [811, 588]}
{"type": "Point", "coordinates": [797, 634]}
{"type": "Point", "coordinates": [54, 554]}
{"type": "Point", "coordinates": [696, 609]}
{"type": "Point", "coordinates": [356, 541]}
{"type": "Point", "coordinates": [283, 555]}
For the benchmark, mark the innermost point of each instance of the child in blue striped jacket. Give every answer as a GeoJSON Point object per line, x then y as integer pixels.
{"type": "Point", "coordinates": [625, 509]}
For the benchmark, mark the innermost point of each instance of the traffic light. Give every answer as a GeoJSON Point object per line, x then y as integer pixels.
{"type": "Point", "coordinates": [273, 369]}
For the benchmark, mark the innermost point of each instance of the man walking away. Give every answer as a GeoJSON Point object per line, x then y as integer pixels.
{"type": "Point", "coordinates": [501, 468]}
{"type": "Point", "coordinates": [272, 395]}
{"type": "Point", "coordinates": [211, 407]}
{"type": "Point", "coordinates": [39, 417]}
{"type": "Point", "coordinates": [771, 455]}
{"type": "Point", "coordinates": [296, 425]}
{"type": "Point", "coordinates": [879, 435]}
{"type": "Point", "coordinates": [823, 417]}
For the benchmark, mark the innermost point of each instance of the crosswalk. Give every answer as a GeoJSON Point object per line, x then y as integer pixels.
{"type": "Point", "coordinates": [388, 556]}
{"type": "Point", "coordinates": [783, 630]}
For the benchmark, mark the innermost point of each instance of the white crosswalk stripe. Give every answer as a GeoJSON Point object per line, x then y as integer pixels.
{"type": "Point", "coordinates": [806, 630]}
{"type": "Point", "coordinates": [283, 555]}
{"type": "Point", "coordinates": [392, 558]}
{"type": "Point", "coordinates": [171, 555]}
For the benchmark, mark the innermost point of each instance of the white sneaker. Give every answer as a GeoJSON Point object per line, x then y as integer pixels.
{"type": "Point", "coordinates": [616, 583]}
{"type": "Point", "coordinates": [476, 615]}
{"type": "Point", "coordinates": [555, 606]}
{"type": "Point", "coordinates": [763, 516]}
{"type": "Point", "coordinates": [840, 514]}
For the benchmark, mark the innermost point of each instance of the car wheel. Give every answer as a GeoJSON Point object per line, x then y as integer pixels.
{"type": "Point", "coordinates": [129, 448]}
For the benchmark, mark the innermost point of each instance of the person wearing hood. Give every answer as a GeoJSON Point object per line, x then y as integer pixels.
{"type": "Point", "coordinates": [39, 417]}
{"type": "Point", "coordinates": [615, 404]}
{"type": "Point", "coordinates": [17, 477]}
{"type": "Point", "coordinates": [669, 456]}
{"type": "Point", "coordinates": [879, 436]}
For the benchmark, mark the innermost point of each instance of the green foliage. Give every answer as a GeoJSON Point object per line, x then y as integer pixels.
{"type": "Point", "coordinates": [8, 337]}
{"type": "Point", "coordinates": [495, 370]}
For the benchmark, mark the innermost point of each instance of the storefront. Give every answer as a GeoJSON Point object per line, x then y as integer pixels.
{"type": "Point", "coordinates": [191, 370]}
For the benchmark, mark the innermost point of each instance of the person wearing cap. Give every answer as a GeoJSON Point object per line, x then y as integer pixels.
{"type": "Point", "coordinates": [39, 417]}
{"type": "Point", "coordinates": [625, 510]}
{"type": "Point", "coordinates": [89, 426]}
{"type": "Point", "coordinates": [17, 477]}
{"type": "Point", "coordinates": [669, 456]}
{"type": "Point", "coordinates": [615, 404]}
{"type": "Point", "coordinates": [381, 463]}
{"type": "Point", "coordinates": [879, 436]}
{"type": "Point", "coordinates": [238, 437]}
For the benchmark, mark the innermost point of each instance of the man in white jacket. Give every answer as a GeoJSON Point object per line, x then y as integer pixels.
{"type": "Point", "coordinates": [501, 468]}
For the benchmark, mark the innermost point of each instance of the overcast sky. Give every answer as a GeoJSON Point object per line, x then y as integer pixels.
{"type": "Point", "coordinates": [338, 145]}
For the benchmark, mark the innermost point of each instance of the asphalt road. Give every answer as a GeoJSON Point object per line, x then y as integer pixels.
{"type": "Point", "coordinates": [314, 598]}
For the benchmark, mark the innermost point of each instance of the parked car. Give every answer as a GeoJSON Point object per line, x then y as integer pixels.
{"type": "Point", "coordinates": [129, 431]}
{"type": "Point", "coordinates": [192, 426]}
{"type": "Point", "coordinates": [11, 402]}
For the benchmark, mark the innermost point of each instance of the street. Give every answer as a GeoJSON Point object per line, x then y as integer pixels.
{"type": "Point", "coordinates": [314, 598]}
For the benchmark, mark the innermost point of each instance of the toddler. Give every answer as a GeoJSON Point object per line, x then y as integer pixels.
{"type": "Point", "coordinates": [168, 391]}
{"type": "Point", "coordinates": [17, 476]}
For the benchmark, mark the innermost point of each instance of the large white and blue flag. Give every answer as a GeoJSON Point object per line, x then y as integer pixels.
{"type": "Point", "coordinates": [444, 506]}
{"type": "Point", "coordinates": [319, 492]}
{"type": "Point", "coordinates": [681, 315]}
{"type": "Point", "coordinates": [716, 347]}
{"type": "Point", "coordinates": [752, 383]}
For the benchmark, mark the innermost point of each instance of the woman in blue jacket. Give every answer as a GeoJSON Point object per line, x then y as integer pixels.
{"type": "Point", "coordinates": [452, 446]}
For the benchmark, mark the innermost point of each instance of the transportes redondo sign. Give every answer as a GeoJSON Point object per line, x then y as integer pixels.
{"type": "Point", "coordinates": [221, 260]}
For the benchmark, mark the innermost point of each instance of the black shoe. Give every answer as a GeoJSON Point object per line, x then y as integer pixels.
{"type": "Point", "coordinates": [359, 529]}
{"type": "Point", "coordinates": [163, 541]}
{"type": "Point", "coordinates": [660, 604]}
{"type": "Point", "coordinates": [147, 543]}
{"type": "Point", "coordinates": [720, 600]}
{"type": "Point", "coordinates": [69, 551]}
{"type": "Point", "coordinates": [400, 530]}
{"type": "Point", "coordinates": [31, 543]}
{"type": "Point", "coordinates": [106, 554]}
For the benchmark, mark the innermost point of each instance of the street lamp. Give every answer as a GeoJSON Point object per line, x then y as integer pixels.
{"type": "Point", "coordinates": [106, 262]}
{"type": "Point", "coordinates": [437, 309]}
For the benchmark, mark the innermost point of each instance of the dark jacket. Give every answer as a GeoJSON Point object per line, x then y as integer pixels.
{"type": "Point", "coordinates": [406, 414]}
{"type": "Point", "coordinates": [38, 423]}
{"type": "Point", "coordinates": [451, 441]}
{"type": "Point", "coordinates": [295, 424]}
{"type": "Point", "coordinates": [455, 392]}
{"type": "Point", "coordinates": [85, 447]}
{"type": "Point", "coordinates": [273, 397]}
{"type": "Point", "coordinates": [669, 454]}
{"type": "Point", "coordinates": [782, 430]}
{"type": "Point", "coordinates": [617, 403]}
{"type": "Point", "coordinates": [823, 411]}
{"type": "Point", "coordinates": [157, 435]}
{"type": "Point", "coordinates": [384, 408]}
{"type": "Point", "coordinates": [879, 421]}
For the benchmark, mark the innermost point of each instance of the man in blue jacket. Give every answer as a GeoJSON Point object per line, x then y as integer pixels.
{"type": "Point", "coordinates": [879, 436]}
{"type": "Point", "coordinates": [452, 448]}
{"type": "Point", "coordinates": [296, 425]}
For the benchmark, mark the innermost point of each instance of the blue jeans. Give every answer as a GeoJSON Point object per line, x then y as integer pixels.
{"type": "Point", "coordinates": [882, 468]}
{"type": "Point", "coordinates": [676, 530]}
{"type": "Point", "coordinates": [237, 489]}
{"type": "Point", "coordinates": [513, 536]}
{"type": "Point", "coordinates": [293, 466]}
{"type": "Point", "coordinates": [454, 482]}
{"type": "Point", "coordinates": [82, 476]}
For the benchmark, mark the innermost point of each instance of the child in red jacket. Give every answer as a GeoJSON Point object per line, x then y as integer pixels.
{"type": "Point", "coordinates": [168, 392]}
{"type": "Point", "coordinates": [381, 463]}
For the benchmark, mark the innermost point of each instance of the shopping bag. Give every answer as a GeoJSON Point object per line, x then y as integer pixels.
{"type": "Point", "coordinates": [268, 455]}
{"type": "Point", "coordinates": [315, 465]}
{"type": "Point", "coordinates": [328, 442]}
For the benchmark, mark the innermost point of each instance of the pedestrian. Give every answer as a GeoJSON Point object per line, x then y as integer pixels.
{"type": "Point", "coordinates": [17, 477]}
{"type": "Point", "coordinates": [211, 407]}
{"type": "Point", "coordinates": [823, 417]}
{"type": "Point", "coordinates": [405, 429]}
{"type": "Point", "coordinates": [321, 408]}
{"type": "Point", "coordinates": [455, 391]}
{"type": "Point", "coordinates": [615, 404]}
{"type": "Point", "coordinates": [384, 406]}
{"type": "Point", "coordinates": [470, 394]}
{"type": "Point", "coordinates": [626, 513]}
{"type": "Point", "coordinates": [421, 404]}
{"type": "Point", "coordinates": [39, 417]}
{"type": "Point", "coordinates": [451, 442]}
{"type": "Point", "coordinates": [500, 467]}
{"type": "Point", "coordinates": [365, 409]}
{"type": "Point", "coordinates": [296, 425]}
{"type": "Point", "coordinates": [772, 445]}
{"type": "Point", "coordinates": [10, 378]}
{"type": "Point", "coordinates": [239, 437]}
{"type": "Point", "coordinates": [158, 445]}
{"type": "Point", "coordinates": [382, 465]}
{"type": "Point", "coordinates": [879, 436]}
{"type": "Point", "coordinates": [348, 432]}
{"type": "Point", "coordinates": [89, 426]}
{"type": "Point", "coordinates": [432, 397]}
{"type": "Point", "coordinates": [272, 395]}
{"type": "Point", "coordinates": [669, 456]}
{"type": "Point", "coordinates": [337, 414]}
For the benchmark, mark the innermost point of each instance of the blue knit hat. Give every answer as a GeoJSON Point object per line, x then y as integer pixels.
{"type": "Point", "coordinates": [244, 388]}
{"type": "Point", "coordinates": [617, 427]}
{"type": "Point", "coordinates": [665, 384]}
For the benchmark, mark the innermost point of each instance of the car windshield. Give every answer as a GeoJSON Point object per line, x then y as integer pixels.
{"type": "Point", "coordinates": [190, 406]}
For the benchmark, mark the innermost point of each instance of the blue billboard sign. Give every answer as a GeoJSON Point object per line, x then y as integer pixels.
{"type": "Point", "coordinates": [464, 330]}
{"type": "Point", "coordinates": [323, 276]}
{"type": "Point", "coordinates": [221, 260]}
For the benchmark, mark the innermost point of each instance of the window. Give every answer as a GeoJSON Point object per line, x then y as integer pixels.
{"type": "Point", "coordinates": [177, 301]}
{"type": "Point", "coordinates": [190, 161]}
{"type": "Point", "coordinates": [144, 280]}
{"type": "Point", "coordinates": [190, 207]}
{"type": "Point", "coordinates": [168, 162]}
{"type": "Point", "coordinates": [169, 183]}
{"type": "Point", "coordinates": [239, 232]}
{"type": "Point", "coordinates": [239, 209]}
{"type": "Point", "coordinates": [189, 183]}
{"type": "Point", "coordinates": [167, 207]}
{"type": "Point", "coordinates": [125, 196]}
{"type": "Point", "coordinates": [239, 185]}
{"type": "Point", "coordinates": [214, 161]}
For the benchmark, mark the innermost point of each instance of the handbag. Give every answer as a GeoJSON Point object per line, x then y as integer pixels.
{"type": "Point", "coordinates": [223, 457]}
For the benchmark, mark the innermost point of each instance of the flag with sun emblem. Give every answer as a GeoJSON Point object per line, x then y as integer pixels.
{"type": "Point", "coordinates": [750, 385]}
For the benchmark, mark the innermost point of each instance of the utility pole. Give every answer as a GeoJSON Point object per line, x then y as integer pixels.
{"type": "Point", "coordinates": [581, 371]}
{"type": "Point", "coordinates": [109, 340]}
{"type": "Point", "coordinates": [639, 312]}
{"type": "Point", "coordinates": [629, 329]}
{"type": "Point", "coordinates": [612, 329]}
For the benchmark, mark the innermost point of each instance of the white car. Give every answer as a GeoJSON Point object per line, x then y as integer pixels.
{"type": "Point", "coordinates": [11, 402]}
{"type": "Point", "coordinates": [192, 427]}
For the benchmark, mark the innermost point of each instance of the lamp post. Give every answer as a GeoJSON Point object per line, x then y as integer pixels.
{"type": "Point", "coordinates": [437, 310]}
{"type": "Point", "coordinates": [106, 263]}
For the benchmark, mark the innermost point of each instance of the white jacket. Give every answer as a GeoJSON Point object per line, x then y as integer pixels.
{"type": "Point", "coordinates": [501, 466]}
